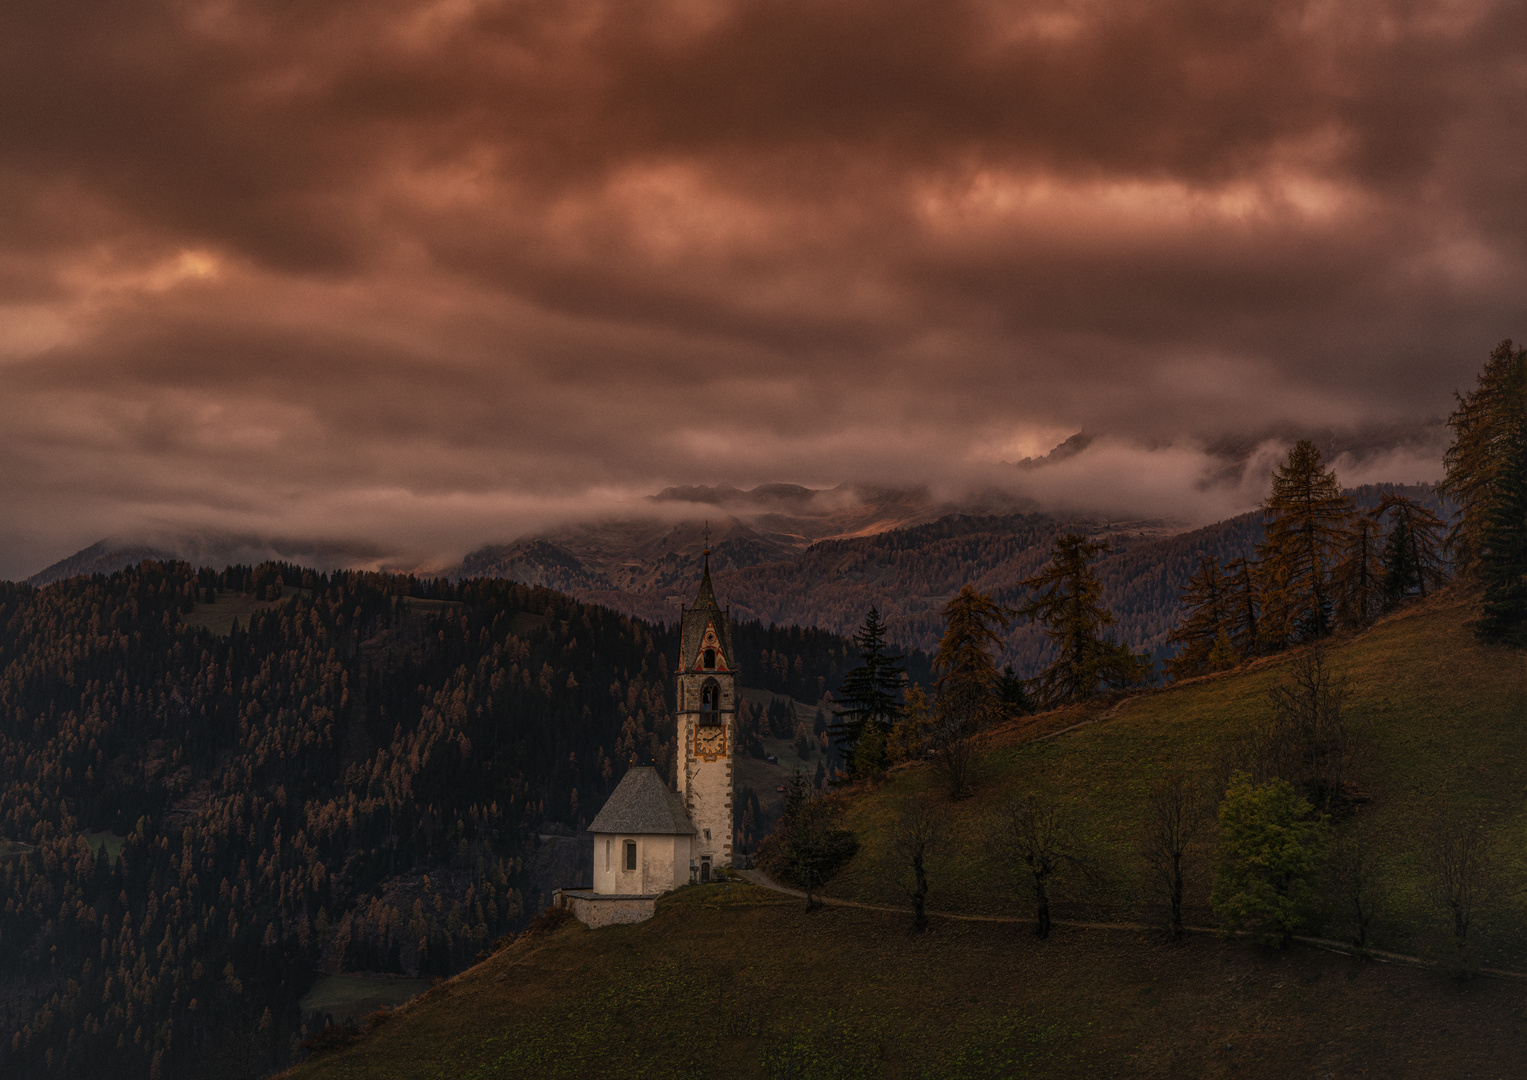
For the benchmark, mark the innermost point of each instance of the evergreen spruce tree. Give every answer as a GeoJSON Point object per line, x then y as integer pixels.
{"type": "Point", "coordinates": [1476, 461]}
{"type": "Point", "coordinates": [1068, 602]}
{"type": "Point", "coordinates": [1012, 693]}
{"type": "Point", "coordinates": [1412, 557]}
{"type": "Point", "coordinates": [1306, 532]}
{"type": "Point", "coordinates": [870, 695]}
{"type": "Point", "coordinates": [1207, 601]}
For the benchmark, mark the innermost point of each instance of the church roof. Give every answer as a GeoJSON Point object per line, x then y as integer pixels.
{"type": "Point", "coordinates": [642, 803]}
{"type": "Point", "coordinates": [694, 620]}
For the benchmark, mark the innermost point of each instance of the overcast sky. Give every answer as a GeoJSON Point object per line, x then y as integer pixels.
{"type": "Point", "coordinates": [433, 273]}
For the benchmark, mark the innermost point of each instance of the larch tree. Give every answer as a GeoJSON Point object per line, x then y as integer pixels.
{"type": "Point", "coordinates": [1306, 532]}
{"type": "Point", "coordinates": [965, 663]}
{"type": "Point", "coordinates": [967, 680]}
{"type": "Point", "coordinates": [1207, 602]}
{"type": "Point", "coordinates": [1503, 545]}
{"type": "Point", "coordinates": [1244, 605]}
{"type": "Point", "coordinates": [1068, 603]}
{"type": "Point", "coordinates": [1358, 577]}
{"type": "Point", "coordinates": [1478, 458]}
{"type": "Point", "coordinates": [869, 701]}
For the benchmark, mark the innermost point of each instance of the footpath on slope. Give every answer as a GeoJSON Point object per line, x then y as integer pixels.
{"type": "Point", "coordinates": [762, 880]}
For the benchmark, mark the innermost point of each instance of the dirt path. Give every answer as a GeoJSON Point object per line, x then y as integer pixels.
{"type": "Point", "coordinates": [762, 880]}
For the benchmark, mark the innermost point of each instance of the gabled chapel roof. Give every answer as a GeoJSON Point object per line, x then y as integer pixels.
{"type": "Point", "coordinates": [642, 803]}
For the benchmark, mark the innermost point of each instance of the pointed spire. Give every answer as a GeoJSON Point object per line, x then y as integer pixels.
{"type": "Point", "coordinates": [706, 597]}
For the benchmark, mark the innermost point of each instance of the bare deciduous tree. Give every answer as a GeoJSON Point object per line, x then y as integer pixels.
{"type": "Point", "coordinates": [1307, 741]}
{"type": "Point", "coordinates": [917, 841]}
{"type": "Point", "coordinates": [1175, 816]}
{"type": "Point", "coordinates": [1355, 885]}
{"type": "Point", "coordinates": [1036, 840]}
{"type": "Point", "coordinates": [956, 745]}
{"type": "Point", "coordinates": [1463, 875]}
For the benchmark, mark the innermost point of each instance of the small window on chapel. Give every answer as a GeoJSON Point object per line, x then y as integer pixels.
{"type": "Point", "coordinates": [710, 697]}
{"type": "Point", "coordinates": [710, 659]}
{"type": "Point", "coordinates": [630, 854]}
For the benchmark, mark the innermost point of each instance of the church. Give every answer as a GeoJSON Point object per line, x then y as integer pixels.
{"type": "Point", "coordinates": [649, 837]}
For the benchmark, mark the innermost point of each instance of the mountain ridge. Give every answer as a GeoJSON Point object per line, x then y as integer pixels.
{"type": "Point", "coordinates": [648, 568]}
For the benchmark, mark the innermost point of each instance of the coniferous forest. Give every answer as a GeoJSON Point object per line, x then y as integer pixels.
{"type": "Point", "coordinates": [202, 810]}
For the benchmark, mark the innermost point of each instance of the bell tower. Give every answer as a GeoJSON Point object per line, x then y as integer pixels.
{"type": "Point", "coordinates": [707, 711]}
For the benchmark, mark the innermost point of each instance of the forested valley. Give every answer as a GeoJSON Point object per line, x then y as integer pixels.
{"type": "Point", "coordinates": [214, 785]}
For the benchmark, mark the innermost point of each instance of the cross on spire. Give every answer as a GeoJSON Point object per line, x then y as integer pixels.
{"type": "Point", "coordinates": [707, 538]}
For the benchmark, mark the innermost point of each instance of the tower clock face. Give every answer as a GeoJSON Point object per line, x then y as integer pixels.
{"type": "Point", "coordinates": [710, 741]}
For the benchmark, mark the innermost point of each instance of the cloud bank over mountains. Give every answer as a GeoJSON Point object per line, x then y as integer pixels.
{"type": "Point", "coordinates": [424, 275]}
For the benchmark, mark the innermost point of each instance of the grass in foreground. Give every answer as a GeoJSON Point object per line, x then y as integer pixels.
{"type": "Point", "coordinates": [753, 987]}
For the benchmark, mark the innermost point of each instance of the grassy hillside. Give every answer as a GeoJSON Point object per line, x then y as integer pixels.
{"type": "Point", "coordinates": [741, 983]}
{"type": "Point", "coordinates": [1442, 721]}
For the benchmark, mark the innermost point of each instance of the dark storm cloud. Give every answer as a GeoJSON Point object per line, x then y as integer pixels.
{"type": "Point", "coordinates": [433, 273]}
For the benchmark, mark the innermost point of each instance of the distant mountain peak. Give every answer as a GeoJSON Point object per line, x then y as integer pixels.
{"type": "Point", "coordinates": [727, 495]}
{"type": "Point", "coordinates": [1069, 448]}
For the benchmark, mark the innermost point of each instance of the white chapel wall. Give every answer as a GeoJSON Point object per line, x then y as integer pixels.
{"type": "Point", "coordinates": [662, 863]}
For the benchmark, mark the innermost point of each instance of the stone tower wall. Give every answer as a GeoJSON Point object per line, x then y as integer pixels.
{"type": "Point", "coordinates": [705, 773]}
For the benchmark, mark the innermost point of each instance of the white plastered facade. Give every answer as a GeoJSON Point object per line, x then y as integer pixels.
{"type": "Point", "coordinates": [661, 863]}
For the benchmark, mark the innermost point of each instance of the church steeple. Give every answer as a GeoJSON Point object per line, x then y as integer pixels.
{"type": "Point", "coordinates": [705, 625]}
{"type": "Point", "coordinates": [706, 597]}
{"type": "Point", "coordinates": [706, 695]}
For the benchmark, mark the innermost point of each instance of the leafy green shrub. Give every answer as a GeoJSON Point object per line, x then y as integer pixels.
{"type": "Point", "coordinates": [1272, 843]}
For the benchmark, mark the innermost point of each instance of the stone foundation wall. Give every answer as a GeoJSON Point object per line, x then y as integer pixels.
{"type": "Point", "coordinates": [595, 911]}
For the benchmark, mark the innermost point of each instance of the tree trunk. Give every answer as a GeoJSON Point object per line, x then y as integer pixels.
{"type": "Point", "coordinates": [1042, 914]}
{"type": "Point", "coordinates": [1177, 897]}
{"type": "Point", "coordinates": [919, 897]}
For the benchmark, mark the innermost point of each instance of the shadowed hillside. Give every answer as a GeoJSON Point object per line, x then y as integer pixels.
{"type": "Point", "coordinates": [741, 985]}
